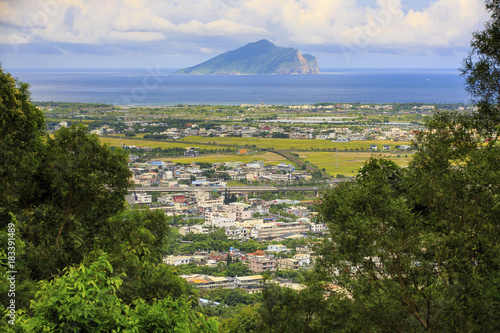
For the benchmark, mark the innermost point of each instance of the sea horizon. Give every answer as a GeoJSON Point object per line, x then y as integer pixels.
{"type": "Point", "coordinates": [160, 86]}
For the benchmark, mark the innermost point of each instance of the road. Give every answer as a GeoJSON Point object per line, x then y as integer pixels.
{"type": "Point", "coordinates": [233, 189]}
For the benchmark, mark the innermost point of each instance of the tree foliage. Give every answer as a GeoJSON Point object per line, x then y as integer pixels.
{"type": "Point", "coordinates": [63, 213]}
{"type": "Point", "coordinates": [85, 299]}
{"type": "Point", "coordinates": [417, 248]}
{"type": "Point", "coordinates": [482, 72]}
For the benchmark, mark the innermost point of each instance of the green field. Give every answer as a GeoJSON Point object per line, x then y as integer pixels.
{"type": "Point", "coordinates": [292, 144]}
{"type": "Point", "coordinates": [117, 142]}
{"type": "Point", "coordinates": [268, 158]}
{"type": "Point", "coordinates": [348, 163]}
{"type": "Point", "coordinates": [343, 162]}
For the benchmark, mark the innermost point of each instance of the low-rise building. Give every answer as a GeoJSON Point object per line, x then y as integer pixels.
{"type": "Point", "coordinates": [248, 281]}
{"type": "Point", "coordinates": [276, 229]}
{"type": "Point", "coordinates": [209, 282]}
{"type": "Point", "coordinates": [142, 198]}
{"type": "Point", "coordinates": [261, 264]}
{"type": "Point", "coordinates": [278, 248]}
{"type": "Point", "coordinates": [287, 264]}
{"type": "Point", "coordinates": [177, 260]}
{"type": "Point", "coordinates": [300, 211]}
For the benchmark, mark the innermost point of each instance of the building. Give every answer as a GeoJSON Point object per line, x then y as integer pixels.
{"type": "Point", "coordinates": [209, 282]}
{"type": "Point", "coordinates": [142, 198]}
{"type": "Point", "coordinates": [278, 248]}
{"type": "Point", "coordinates": [303, 259]}
{"type": "Point", "coordinates": [297, 210]}
{"type": "Point", "coordinates": [252, 281]}
{"type": "Point", "coordinates": [317, 227]}
{"type": "Point", "coordinates": [195, 229]}
{"type": "Point", "coordinates": [276, 229]}
{"type": "Point", "coordinates": [288, 264]}
{"type": "Point", "coordinates": [191, 152]}
{"type": "Point", "coordinates": [177, 260]}
{"type": "Point", "coordinates": [261, 264]}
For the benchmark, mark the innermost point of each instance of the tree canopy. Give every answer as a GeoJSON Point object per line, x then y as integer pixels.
{"type": "Point", "coordinates": [64, 226]}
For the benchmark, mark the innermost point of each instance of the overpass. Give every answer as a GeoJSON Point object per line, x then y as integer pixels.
{"type": "Point", "coordinates": [234, 189]}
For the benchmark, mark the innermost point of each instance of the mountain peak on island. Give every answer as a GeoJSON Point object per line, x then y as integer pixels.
{"type": "Point", "coordinates": [261, 57]}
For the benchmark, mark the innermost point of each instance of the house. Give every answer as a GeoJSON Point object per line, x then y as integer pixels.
{"type": "Point", "coordinates": [288, 264]}
{"type": "Point", "coordinates": [209, 282]}
{"type": "Point", "coordinates": [142, 198]}
{"type": "Point", "coordinates": [386, 147]}
{"type": "Point", "coordinates": [303, 259]}
{"type": "Point", "coordinates": [179, 199]}
{"type": "Point", "coordinates": [278, 248]}
{"type": "Point", "coordinates": [248, 283]}
{"type": "Point", "coordinates": [177, 260]}
{"type": "Point", "coordinates": [191, 152]}
{"type": "Point", "coordinates": [297, 210]}
{"type": "Point", "coordinates": [373, 147]}
{"type": "Point", "coordinates": [276, 229]}
{"type": "Point", "coordinates": [317, 227]}
{"type": "Point", "coordinates": [261, 264]}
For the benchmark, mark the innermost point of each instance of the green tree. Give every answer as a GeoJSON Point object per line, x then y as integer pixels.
{"type": "Point", "coordinates": [78, 186]}
{"type": "Point", "coordinates": [84, 300]}
{"type": "Point", "coordinates": [482, 72]}
{"type": "Point", "coordinates": [417, 248]}
{"type": "Point", "coordinates": [21, 136]}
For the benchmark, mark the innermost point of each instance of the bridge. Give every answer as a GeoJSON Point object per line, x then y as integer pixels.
{"type": "Point", "coordinates": [234, 189]}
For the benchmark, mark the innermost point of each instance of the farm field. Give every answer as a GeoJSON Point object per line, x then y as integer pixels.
{"type": "Point", "coordinates": [348, 163]}
{"type": "Point", "coordinates": [116, 142]}
{"type": "Point", "coordinates": [268, 158]}
{"type": "Point", "coordinates": [293, 144]}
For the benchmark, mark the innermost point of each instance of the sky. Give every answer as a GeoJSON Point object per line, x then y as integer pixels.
{"type": "Point", "coordinates": [39, 34]}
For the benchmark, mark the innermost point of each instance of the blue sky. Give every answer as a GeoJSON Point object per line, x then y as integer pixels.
{"type": "Point", "coordinates": [182, 33]}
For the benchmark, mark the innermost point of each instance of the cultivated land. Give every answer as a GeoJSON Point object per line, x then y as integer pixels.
{"type": "Point", "coordinates": [293, 144]}
{"type": "Point", "coordinates": [219, 132]}
{"type": "Point", "coordinates": [116, 141]}
{"type": "Point", "coordinates": [348, 163]}
{"type": "Point", "coordinates": [267, 158]}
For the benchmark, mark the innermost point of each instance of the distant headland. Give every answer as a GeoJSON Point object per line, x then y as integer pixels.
{"type": "Point", "coordinates": [262, 57]}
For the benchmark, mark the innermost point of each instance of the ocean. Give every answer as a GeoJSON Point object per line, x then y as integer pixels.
{"type": "Point", "coordinates": [155, 86]}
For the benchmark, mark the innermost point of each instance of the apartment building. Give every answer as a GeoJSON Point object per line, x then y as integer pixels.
{"type": "Point", "coordinates": [276, 229]}
{"type": "Point", "coordinates": [261, 264]}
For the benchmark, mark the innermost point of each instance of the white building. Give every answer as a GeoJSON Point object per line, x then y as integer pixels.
{"type": "Point", "coordinates": [177, 260]}
{"type": "Point", "coordinates": [142, 198]}
{"type": "Point", "coordinates": [277, 248]}
{"type": "Point", "coordinates": [319, 227]}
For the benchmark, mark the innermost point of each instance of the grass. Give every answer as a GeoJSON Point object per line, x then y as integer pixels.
{"type": "Point", "coordinates": [268, 158]}
{"type": "Point", "coordinates": [348, 163]}
{"type": "Point", "coordinates": [345, 163]}
{"type": "Point", "coordinates": [292, 144]}
{"type": "Point", "coordinates": [117, 142]}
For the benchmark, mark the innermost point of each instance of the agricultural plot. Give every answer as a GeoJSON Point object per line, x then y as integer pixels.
{"type": "Point", "coordinates": [268, 158]}
{"type": "Point", "coordinates": [346, 163]}
{"type": "Point", "coordinates": [293, 144]}
{"type": "Point", "coordinates": [117, 142]}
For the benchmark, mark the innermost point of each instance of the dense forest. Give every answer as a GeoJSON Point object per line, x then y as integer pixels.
{"type": "Point", "coordinates": [408, 249]}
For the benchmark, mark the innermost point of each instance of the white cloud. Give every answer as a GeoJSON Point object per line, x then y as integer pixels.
{"type": "Point", "coordinates": [322, 24]}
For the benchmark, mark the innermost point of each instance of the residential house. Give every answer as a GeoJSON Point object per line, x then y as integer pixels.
{"type": "Point", "coordinates": [177, 260]}
{"type": "Point", "coordinates": [278, 248]}
{"type": "Point", "coordinates": [261, 264]}
{"type": "Point", "coordinates": [191, 152]}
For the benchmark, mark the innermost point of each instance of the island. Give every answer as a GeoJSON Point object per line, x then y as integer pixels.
{"type": "Point", "coordinates": [261, 57]}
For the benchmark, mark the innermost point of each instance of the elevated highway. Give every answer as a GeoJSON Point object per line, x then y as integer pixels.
{"type": "Point", "coordinates": [234, 189]}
